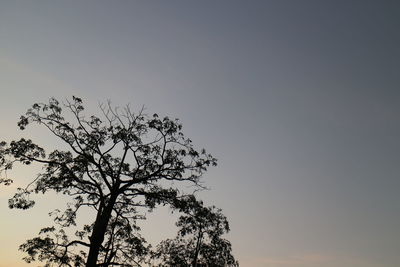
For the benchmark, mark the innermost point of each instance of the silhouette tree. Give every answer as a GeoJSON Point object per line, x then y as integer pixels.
{"type": "Point", "coordinates": [119, 165]}
{"type": "Point", "coordinates": [199, 241]}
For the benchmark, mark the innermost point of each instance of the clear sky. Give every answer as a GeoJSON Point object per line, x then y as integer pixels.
{"type": "Point", "coordinates": [299, 101]}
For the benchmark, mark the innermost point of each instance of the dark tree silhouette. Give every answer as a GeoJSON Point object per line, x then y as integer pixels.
{"type": "Point", "coordinates": [119, 164]}
{"type": "Point", "coordinates": [199, 241]}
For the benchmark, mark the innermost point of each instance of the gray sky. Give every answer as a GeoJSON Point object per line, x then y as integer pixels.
{"type": "Point", "coordinates": [298, 100]}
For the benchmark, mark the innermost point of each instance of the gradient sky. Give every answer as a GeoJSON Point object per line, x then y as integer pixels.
{"type": "Point", "coordinates": [299, 101]}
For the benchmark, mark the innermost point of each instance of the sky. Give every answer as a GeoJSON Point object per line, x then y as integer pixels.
{"type": "Point", "coordinates": [299, 101]}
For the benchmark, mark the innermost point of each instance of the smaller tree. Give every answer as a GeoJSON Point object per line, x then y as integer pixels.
{"type": "Point", "coordinates": [199, 241]}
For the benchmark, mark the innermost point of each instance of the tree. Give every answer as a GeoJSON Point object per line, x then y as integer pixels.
{"type": "Point", "coordinates": [117, 164]}
{"type": "Point", "coordinates": [199, 241]}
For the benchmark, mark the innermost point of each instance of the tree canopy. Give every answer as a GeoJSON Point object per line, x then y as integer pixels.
{"type": "Point", "coordinates": [118, 164]}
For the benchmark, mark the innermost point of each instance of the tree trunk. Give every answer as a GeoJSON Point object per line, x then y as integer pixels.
{"type": "Point", "coordinates": [99, 230]}
{"type": "Point", "coordinates": [198, 245]}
